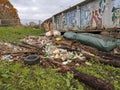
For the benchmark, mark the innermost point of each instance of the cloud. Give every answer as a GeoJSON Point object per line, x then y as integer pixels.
{"type": "Point", "coordinates": [41, 9]}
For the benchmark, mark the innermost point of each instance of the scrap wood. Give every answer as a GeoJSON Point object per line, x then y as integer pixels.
{"type": "Point", "coordinates": [107, 55]}
{"type": "Point", "coordinates": [35, 46]}
{"type": "Point", "coordinates": [115, 63]}
{"type": "Point", "coordinates": [68, 43]}
{"type": "Point", "coordinates": [96, 83]}
{"type": "Point", "coordinates": [22, 52]}
{"type": "Point", "coordinates": [23, 45]}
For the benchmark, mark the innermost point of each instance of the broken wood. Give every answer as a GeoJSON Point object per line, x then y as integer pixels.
{"type": "Point", "coordinates": [96, 83]}
{"type": "Point", "coordinates": [35, 46]}
{"type": "Point", "coordinates": [115, 63]}
{"type": "Point", "coordinates": [109, 56]}
{"type": "Point", "coordinates": [67, 43]}
{"type": "Point", "coordinates": [22, 52]}
{"type": "Point", "coordinates": [23, 45]}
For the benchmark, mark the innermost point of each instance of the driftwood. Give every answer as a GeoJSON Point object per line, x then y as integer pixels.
{"type": "Point", "coordinates": [23, 45]}
{"type": "Point", "coordinates": [115, 63]}
{"type": "Point", "coordinates": [35, 46]}
{"type": "Point", "coordinates": [67, 43]}
{"type": "Point", "coordinates": [22, 52]}
{"type": "Point", "coordinates": [96, 83]}
{"type": "Point", "coordinates": [109, 56]}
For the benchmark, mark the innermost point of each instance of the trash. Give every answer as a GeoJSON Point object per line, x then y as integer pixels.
{"type": "Point", "coordinates": [32, 59]}
{"type": "Point", "coordinates": [117, 50]}
{"type": "Point", "coordinates": [8, 57]}
{"type": "Point", "coordinates": [58, 39]}
{"type": "Point", "coordinates": [100, 42]}
{"type": "Point", "coordinates": [67, 52]}
{"type": "Point", "coordinates": [88, 63]}
{"type": "Point", "coordinates": [56, 56]}
{"type": "Point", "coordinates": [70, 35]}
{"type": "Point", "coordinates": [66, 62]}
{"type": "Point", "coordinates": [53, 33]}
{"type": "Point", "coordinates": [77, 64]}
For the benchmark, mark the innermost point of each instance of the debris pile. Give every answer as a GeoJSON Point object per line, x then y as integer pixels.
{"type": "Point", "coordinates": [36, 40]}
{"type": "Point", "coordinates": [53, 51]}
{"type": "Point", "coordinates": [13, 51]}
{"type": "Point", "coordinates": [68, 52]}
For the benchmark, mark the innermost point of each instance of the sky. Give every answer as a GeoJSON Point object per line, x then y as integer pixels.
{"type": "Point", "coordinates": [41, 9]}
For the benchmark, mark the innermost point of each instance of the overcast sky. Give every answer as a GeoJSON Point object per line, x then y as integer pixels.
{"type": "Point", "coordinates": [41, 9]}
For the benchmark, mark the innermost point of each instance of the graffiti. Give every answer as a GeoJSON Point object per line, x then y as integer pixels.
{"type": "Point", "coordinates": [102, 5]}
{"type": "Point", "coordinates": [71, 17]}
{"type": "Point", "coordinates": [96, 15]}
{"type": "Point", "coordinates": [92, 18]}
{"type": "Point", "coordinates": [116, 13]}
{"type": "Point", "coordinates": [85, 18]}
{"type": "Point", "coordinates": [96, 18]}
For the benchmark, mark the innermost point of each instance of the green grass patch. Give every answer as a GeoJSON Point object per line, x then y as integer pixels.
{"type": "Point", "coordinates": [14, 34]}
{"type": "Point", "coordinates": [17, 76]}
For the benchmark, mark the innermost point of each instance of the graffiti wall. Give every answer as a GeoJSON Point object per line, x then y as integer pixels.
{"type": "Point", "coordinates": [91, 14]}
{"type": "Point", "coordinates": [116, 13]}
{"type": "Point", "coordinates": [58, 22]}
{"type": "Point", "coordinates": [84, 17]}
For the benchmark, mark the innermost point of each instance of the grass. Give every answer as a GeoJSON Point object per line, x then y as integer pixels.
{"type": "Point", "coordinates": [17, 76]}
{"type": "Point", "coordinates": [13, 34]}
{"type": "Point", "coordinates": [104, 72]}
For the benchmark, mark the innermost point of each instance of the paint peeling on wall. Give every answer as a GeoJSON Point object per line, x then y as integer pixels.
{"type": "Point", "coordinates": [116, 13]}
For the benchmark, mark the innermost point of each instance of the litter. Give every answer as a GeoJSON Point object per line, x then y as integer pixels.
{"type": "Point", "coordinates": [66, 51]}
{"type": "Point", "coordinates": [53, 33]}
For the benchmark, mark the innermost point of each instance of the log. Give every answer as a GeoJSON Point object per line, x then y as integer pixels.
{"type": "Point", "coordinates": [22, 52]}
{"type": "Point", "coordinates": [96, 83]}
{"type": "Point", "coordinates": [67, 43]}
{"type": "Point", "coordinates": [115, 63]}
{"type": "Point", "coordinates": [109, 56]}
{"type": "Point", "coordinates": [23, 45]}
{"type": "Point", "coordinates": [35, 46]}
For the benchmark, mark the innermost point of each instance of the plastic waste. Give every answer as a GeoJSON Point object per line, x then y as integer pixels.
{"type": "Point", "coordinates": [58, 39]}
{"type": "Point", "coordinates": [8, 57]}
{"type": "Point", "coordinates": [53, 33]}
